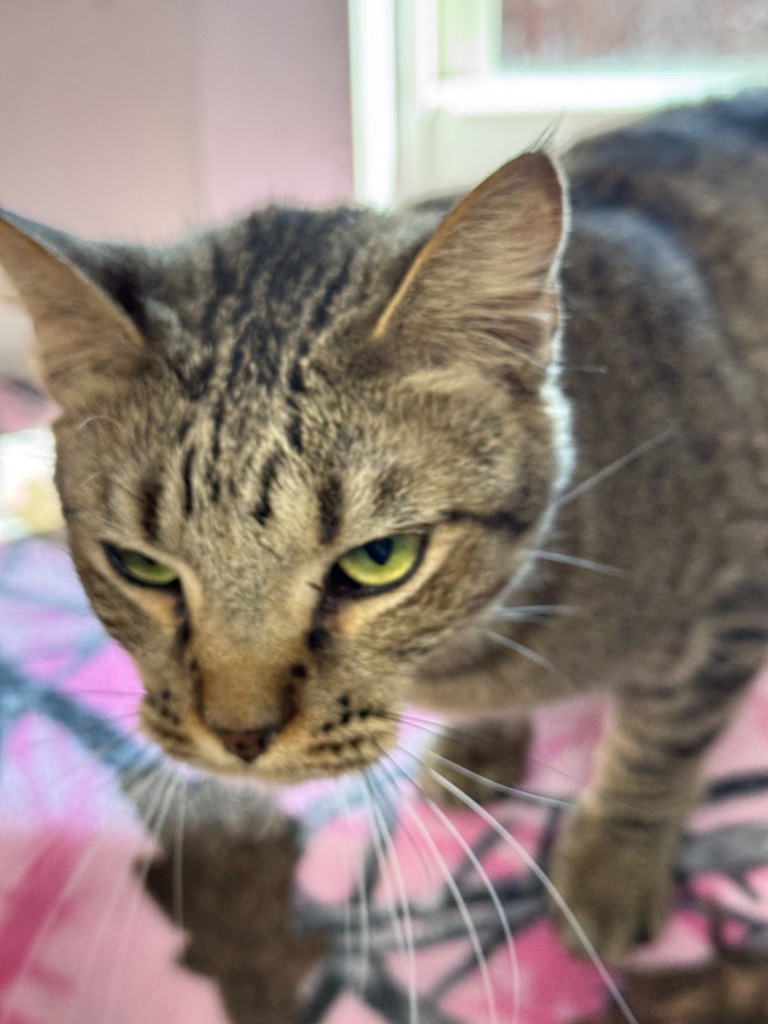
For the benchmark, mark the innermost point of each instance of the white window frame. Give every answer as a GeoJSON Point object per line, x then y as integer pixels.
{"type": "Point", "coordinates": [416, 131]}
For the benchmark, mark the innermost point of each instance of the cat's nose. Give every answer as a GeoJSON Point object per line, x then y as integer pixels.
{"type": "Point", "coordinates": [247, 744]}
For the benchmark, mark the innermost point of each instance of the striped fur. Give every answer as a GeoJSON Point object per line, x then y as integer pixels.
{"type": "Point", "coordinates": [251, 403]}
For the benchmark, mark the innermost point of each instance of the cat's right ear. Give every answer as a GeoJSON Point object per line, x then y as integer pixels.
{"type": "Point", "coordinates": [83, 337]}
{"type": "Point", "coordinates": [484, 289]}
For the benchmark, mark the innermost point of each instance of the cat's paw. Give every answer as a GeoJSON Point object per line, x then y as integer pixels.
{"type": "Point", "coordinates": [495, 751]}
{"type": "Point", "coordinates": [615, 875]}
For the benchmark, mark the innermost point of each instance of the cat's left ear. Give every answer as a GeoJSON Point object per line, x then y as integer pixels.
{"type": "Point", "coordinates": [84, 338]}
{"type": "Point", "coordinates": [484, 289]}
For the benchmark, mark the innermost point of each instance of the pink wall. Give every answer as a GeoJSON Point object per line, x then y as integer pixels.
{"type": "Point", "coordinates": [137, 118]}
{"type": "Point", "coordinates": [274, 98]}
{"type": "Point", "coordinates": [97, 125]}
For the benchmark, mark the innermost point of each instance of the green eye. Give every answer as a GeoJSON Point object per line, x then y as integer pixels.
{"type": "Point", "coordinates": [140, 568]}
{"type": "Point", "coordinates": [382, 562]}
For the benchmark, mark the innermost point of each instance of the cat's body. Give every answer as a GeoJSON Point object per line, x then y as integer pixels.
{"type": "Point", "coordinates": [665, 365]}
{"type": "Point", "coordinates": [260, 403]}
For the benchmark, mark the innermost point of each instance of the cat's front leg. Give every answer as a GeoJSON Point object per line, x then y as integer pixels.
{"type": "Point", "coordinates": [613, 865]}
{"type": "Point", "coordinates": [480, 756]}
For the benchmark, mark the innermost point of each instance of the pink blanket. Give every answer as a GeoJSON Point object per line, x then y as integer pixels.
{"type": "Point", "coordinates": [82, 943]}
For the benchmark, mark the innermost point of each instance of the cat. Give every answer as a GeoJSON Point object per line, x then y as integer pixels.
{"type": "Point", "coordinates": [473, 456]}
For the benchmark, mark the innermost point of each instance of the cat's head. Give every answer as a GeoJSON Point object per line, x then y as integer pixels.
{"type": "Point", "coordinates": [297, 452]}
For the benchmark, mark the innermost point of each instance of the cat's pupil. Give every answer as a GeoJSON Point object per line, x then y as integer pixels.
{"type": "Point", "coordinates": [380, 551]}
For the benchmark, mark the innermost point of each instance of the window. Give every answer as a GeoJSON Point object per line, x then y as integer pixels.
{"type": "Point", "coordinates": [444, 91]}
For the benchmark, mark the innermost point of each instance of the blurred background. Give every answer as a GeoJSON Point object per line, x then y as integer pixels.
{"type": "Point", "coordinates": [140, 117]}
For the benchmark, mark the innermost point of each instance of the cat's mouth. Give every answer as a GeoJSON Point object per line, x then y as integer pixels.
{"type": "Point", "coordinates": [348, 737]}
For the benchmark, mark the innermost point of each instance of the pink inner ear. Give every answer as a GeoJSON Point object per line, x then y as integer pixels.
{"type": "Point", "coordinates": [82, 337]}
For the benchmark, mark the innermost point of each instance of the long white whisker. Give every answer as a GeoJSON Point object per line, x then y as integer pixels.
{"type": "Point", "coordinates": [490, 889]}
{"type": "Point", "coordinates": [580, 563]}
{"type": "Point", "coordinates": [344, 806]}
{"type": "Point", "coordinates": [168, 788]}
{"type": "Point", "coordinates": [395, 770]}
{"type": "Point", "coordinates": [463, 910]}
{"type": "Point", "coordinates": [526, 652]}
{"type": "Point", "coordinates": [499, 787]}
{"type": "Point", "coordinates": [385, 876]}
{"type": "Point", "coordinates": [586, 367]}
{"type": "Point", "coordinates": [413, 999]}
{"type": "Point", "coordinates": [430, 726]}
{"type": "Point", "coordinates": [148, 781]}
{"type": "Point", "coordinates": [482, 874]}
{"type": "Point", "coordinates": [178, 855]}
{"type": "Point", "coordinates": [614, 467]}
{"type": "Point", "coordinates": [365, 924]}
{"type": "Point", "coordinates": [91, 419]}
{"type": "Point", "coordinates": [552, 890]}
{"type": "Point", "coordinates": [434, 728]}
{"type": "Point", "coordinates": [524, 613]}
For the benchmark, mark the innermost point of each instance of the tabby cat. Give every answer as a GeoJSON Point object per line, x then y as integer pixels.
{"type": "Point", "coordinates": [318, 464]}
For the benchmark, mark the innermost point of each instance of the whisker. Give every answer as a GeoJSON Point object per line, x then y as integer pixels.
{"type": "Point", "coordinates": [384, 872]}
{"type": "Point", "coordinates": [365, 911]}
{"type": "Point", "coordinates": [526, 652]}
{"type": "Point", "coordinates": [524, 795]}
{"type": "Point", "coordinates": [391, 776]}
{"type": "Point", "coordinates": [413, 999]}
{"type": "Point", "coordinates": [550, 887]}
{"type": "Point", "coordinates": [521, 613]}
{"type": "Point", "coordinates": [463, 910]}
{"type": "Point", "coordinates": [580, 563]}
{"type": "Point", "coordinates": [431, 728]}
{"type": "Point", "coordinates": [585, 367]}
{"type": "Point", "coordinates": [178, 856]}
{"type": "Point", "coordinates": [168, 788]}
{"type": "Point", "coordinates": [108, 909]}
{"type": "Point", "coordinates": [91, 419]}
{"type": "Point", "coordinates": [614, 467]}
{"type": "Point", "coordinates": [344, 806]}
{"type": "Point", "coordinates": [464, 735]}
{"type": "Point", "coordinates": [491, 890]}
{"type": "Point", "coordinates": [383, 878]}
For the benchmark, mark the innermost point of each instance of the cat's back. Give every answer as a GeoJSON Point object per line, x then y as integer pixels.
{"type": "Point", "coordinates": [665, 349]}
{"type": "Point", "coordinates": [697, 178]}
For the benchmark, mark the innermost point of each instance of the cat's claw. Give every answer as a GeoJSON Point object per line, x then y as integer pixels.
{"type": "Point", "coordinates": [616, 880]}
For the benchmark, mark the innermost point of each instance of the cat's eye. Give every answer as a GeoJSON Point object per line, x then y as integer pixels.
{"type": "Point", "coordinates": [383, 562]}
{"type": "Point", "coordinates": [141, 569]}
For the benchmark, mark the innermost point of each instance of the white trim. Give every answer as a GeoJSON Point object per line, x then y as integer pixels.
{"type": "Point", "coordinates": [416, 132]}
{"type": "Point", "coordinates": [373, 64]}
{"type": "Point", "coordinates": [561, 91]}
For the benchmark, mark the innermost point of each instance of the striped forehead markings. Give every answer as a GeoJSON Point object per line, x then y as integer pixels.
{"type": "Point", "coordinates": [330, 503]}
{"type": "Point", "coordinates": [186, 475]}
{"type": "Point", "coordinates": [151, 495]}
{"type": "Point", "coordinates": [263, 508]}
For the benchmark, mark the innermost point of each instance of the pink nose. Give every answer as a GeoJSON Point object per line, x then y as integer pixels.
{"type": "Point", "coordinates": [247, 744]}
